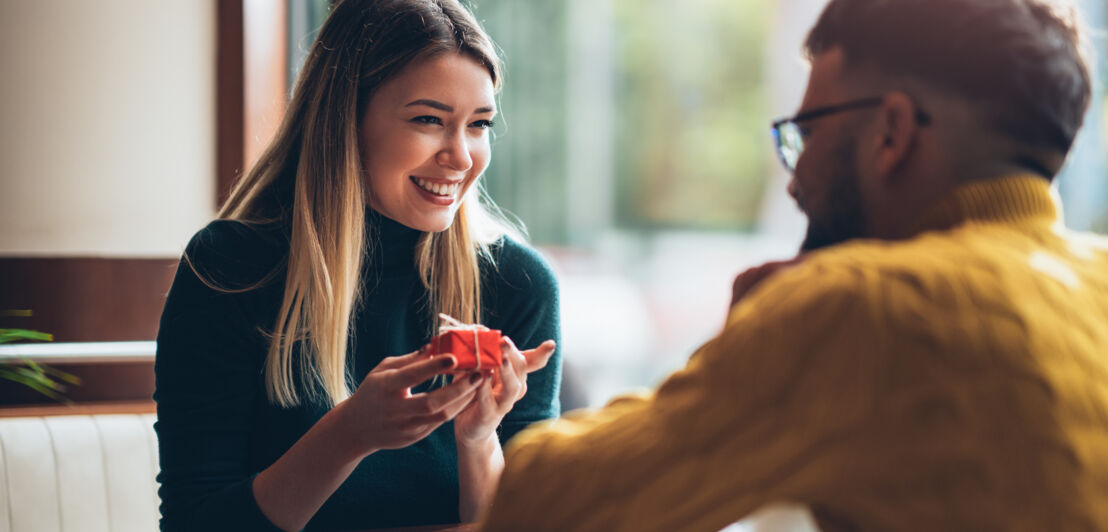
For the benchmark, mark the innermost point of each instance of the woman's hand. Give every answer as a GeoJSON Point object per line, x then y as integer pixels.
{"type": "Point", "coordinates": [480, 459]}
{"type": "Point", "coordinates": [384, 414]}
{"type": "Point", "coordinates": [499, 392]}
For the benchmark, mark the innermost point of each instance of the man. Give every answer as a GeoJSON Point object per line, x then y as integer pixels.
{"type": "Point", "coordinates": [938, 357]}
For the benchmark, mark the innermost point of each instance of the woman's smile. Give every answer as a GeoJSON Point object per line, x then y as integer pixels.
{"type": "Point", "coordinates": [436, 191]}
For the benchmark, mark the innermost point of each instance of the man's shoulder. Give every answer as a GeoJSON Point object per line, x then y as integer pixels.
{"type": "Point", "coordinates": [876, 275]}
{"type": "Point", "coordinates": [931, 255]}
{"type": "Point", "coordinates": [971, 258]}
{"type": "Point", "coordinates": [941, 276]}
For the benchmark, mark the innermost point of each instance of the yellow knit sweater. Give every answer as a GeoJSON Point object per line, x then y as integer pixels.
{"type": "Point", "coordinates": [955, 381]}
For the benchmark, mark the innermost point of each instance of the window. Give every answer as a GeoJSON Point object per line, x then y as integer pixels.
{"type": "Point", "coordinates": [624, 114]}
{"type": "Point", "coordinates": [634, 147]}
{"type": "Point", "coordinates": [1083, 184]}
{"type": "Point", "coordinates": [690, 116]}
{"type": "Point", "coordinates": [633, 143]}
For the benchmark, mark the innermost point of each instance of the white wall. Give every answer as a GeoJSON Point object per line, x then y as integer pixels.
{"type": "Point", "coordinates": [107, 126]}
{"type": "Point", "coordinates": [787, 72]}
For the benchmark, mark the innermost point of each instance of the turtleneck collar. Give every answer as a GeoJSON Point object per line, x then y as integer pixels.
{"type": "Point", "coordinates": [1012, 199]}
{"type": "Point", "coordinates": [390, 245]}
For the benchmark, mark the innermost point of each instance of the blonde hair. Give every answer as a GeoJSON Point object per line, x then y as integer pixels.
{"type": "Point", "coordinates": [310, 180]}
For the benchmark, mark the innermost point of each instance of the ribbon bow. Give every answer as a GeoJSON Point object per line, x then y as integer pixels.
{"type": "Point", "coordinates": [452, 324]}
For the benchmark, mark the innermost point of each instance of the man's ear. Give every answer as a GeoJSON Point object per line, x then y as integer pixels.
{"type": "Point", "coordinates": [897, 130]}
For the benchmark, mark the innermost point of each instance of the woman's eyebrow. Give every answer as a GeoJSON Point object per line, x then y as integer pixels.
{"type": "Point", "coordinates": [435, 104]}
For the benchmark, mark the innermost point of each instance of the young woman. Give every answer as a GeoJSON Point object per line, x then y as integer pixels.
{"type": "Point", "coordinates": [282, 403]}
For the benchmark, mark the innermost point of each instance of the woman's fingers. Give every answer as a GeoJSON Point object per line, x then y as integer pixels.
{"type": "Point", "coordinates": [413, 418]}
{"type": "Point", "coordinates": [434, 402]}
{"type": "Point", "coordinates": [482, 387]}
{"type": "Point", "coordinates": [481, 399]}
{"type": "Point", "coordinates": [402, 360]}
{"type": "Point", "coordinates": [537, 357]}
{"type": "Point", "coordinates": [419, 371]}
{"type": "Point", "coordinates": [485, 400]}
{"type": "Point", "coordinates": [451, 410]}
{"type": "Point", "coordinates": [517, 375]}
{"type": "Point", "coordinates": [511, 376]}
{"type": "Point", "coordinates": [446, 408]}
{"type": "Point", "coordinates": [417, 430]}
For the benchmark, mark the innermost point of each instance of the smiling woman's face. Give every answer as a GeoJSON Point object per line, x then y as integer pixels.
{"type": "Point", "coordinates": [425, 139]}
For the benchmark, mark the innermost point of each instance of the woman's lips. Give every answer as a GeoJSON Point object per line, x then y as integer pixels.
{"type": "Point", "coordinates": [437, 192]}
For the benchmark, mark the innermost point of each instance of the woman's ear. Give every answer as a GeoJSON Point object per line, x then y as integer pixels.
{"type": "Point", "coordinates": [896, 133]}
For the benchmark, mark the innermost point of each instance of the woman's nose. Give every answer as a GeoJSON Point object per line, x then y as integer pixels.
{"type": "Point", "coordinates": [455, 153]}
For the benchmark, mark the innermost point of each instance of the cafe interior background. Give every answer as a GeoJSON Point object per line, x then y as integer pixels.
{"type": "Point", "coordinates": [633, 143]}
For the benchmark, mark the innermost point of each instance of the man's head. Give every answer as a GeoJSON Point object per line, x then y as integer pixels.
{"type": "Point", "coordinates": [936, 92]}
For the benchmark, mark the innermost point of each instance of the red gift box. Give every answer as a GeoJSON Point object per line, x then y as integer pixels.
{"type": "Point", "coordinates": [476, 350]}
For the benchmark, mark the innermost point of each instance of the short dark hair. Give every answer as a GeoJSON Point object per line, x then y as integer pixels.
{"type": "Point", "coordinates": [1024, 61]}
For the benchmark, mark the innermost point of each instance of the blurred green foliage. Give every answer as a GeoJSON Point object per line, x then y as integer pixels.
{"type": "Point", "coordinates": [26, 372]}
{"type": "Point", "coordinates": [691, 129]}
{"type": "Point", "coordinates": [527, 175]}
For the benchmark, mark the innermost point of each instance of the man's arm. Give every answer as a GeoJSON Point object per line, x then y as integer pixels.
{"type": "Point", "coordinates": [747, 422]}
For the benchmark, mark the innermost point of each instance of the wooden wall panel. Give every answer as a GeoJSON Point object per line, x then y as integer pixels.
{"type": "Point", "coordinates": [129, 381]}
{"type": "Point", "coordinates": [251, 84]}
{"type": "Point", "coordinates": [230, 93]}
{"type": "Point", "coordinates": [86, 299]}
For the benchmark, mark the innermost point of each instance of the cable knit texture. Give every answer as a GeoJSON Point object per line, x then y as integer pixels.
{"type": "Point", "coordinates": [954, 381]}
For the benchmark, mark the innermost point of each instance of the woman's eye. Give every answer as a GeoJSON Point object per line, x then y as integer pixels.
{"type": "Point", "coordinates": [427, 119]}
{"type": "Point", "coordinates": [483, 124]}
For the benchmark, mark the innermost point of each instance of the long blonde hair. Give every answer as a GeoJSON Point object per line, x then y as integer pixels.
{"type": "Point", "coordinates": [310, 180]}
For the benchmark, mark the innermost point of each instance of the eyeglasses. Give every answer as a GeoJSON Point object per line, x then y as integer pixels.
{"type": "Point", "coordinates": [788, 136]}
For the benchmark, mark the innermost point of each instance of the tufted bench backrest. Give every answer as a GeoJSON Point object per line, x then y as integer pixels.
{"type": "Point", "coordinates": [78, 473]}
{"type": "Point", "coordinates": [97, 474]}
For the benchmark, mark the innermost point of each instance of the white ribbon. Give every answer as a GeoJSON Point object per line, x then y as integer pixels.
{"type": "Point", "coordinates": [452, 324]}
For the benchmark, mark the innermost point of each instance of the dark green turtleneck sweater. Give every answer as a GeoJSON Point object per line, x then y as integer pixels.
{"type": "Point", "coordinates": [216, 430]}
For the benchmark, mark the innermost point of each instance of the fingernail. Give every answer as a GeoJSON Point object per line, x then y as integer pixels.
{"type": "Point", "coordinates": [447, 362]}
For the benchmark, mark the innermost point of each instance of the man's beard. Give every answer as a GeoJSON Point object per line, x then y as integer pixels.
{"type": "Point", "coordinates": [844, 218]}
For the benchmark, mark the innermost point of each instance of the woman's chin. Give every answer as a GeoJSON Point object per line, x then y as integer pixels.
{"type": "Point", "coordinates": [431, 224]}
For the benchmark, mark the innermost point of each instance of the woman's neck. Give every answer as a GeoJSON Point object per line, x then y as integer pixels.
{"type": "Point", "coordinates": [390, 244]}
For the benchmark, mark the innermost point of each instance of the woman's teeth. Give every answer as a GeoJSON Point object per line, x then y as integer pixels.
{"type": "Point", "coordinates": [437, 188]}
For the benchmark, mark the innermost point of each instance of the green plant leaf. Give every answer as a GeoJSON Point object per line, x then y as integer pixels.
{"type": "Point", "coordinates": [37, 376]}
{"type": "Point", "coordinates": [41, 378]}
{"type": "Point", "coordinates": [33, 384]}
{"type": "Point", "coordinates": [59, 374]}
{"type": "Point", "coordinates": [13, 335]}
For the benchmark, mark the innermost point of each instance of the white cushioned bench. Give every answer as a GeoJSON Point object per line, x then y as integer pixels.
{"type": "Point", "coordinates": [78, 473]}
{"type": "Point", "coordinates": [96, 473]}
